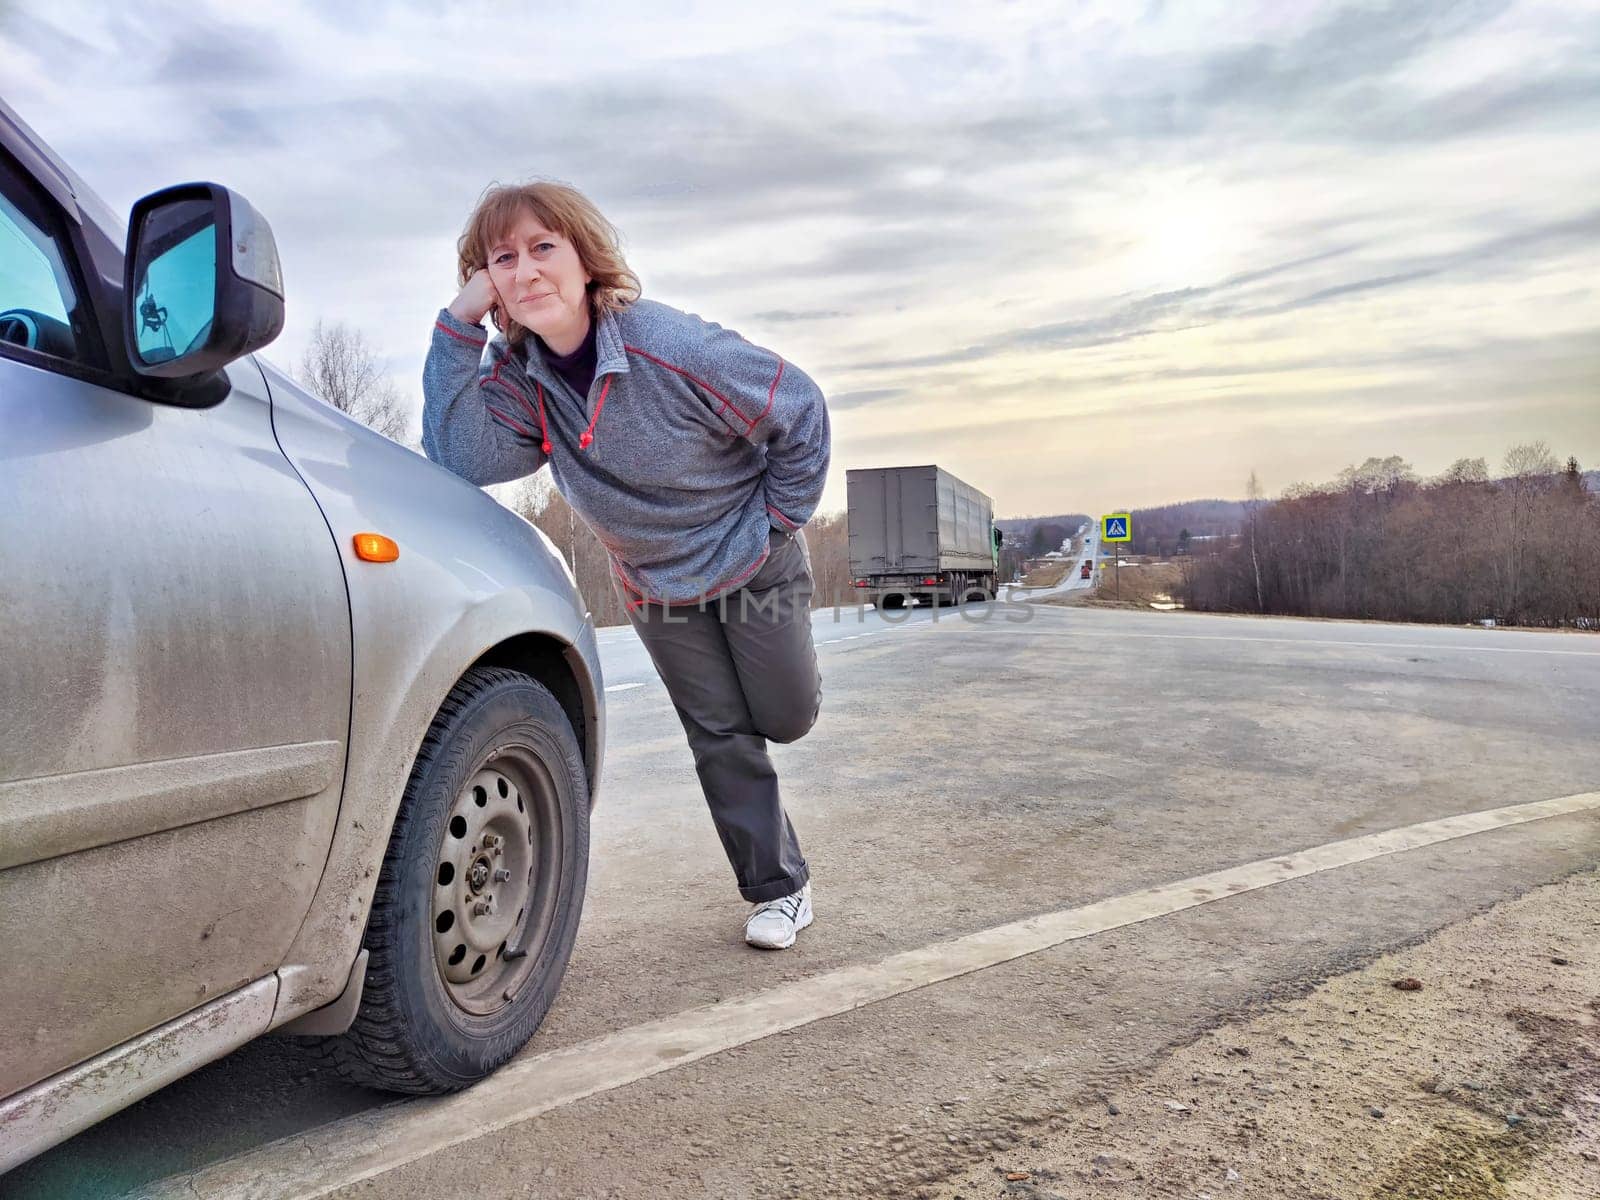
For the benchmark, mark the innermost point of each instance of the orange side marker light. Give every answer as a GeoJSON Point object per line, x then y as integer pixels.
{"type": "Point", "coordinates": [374, 547]}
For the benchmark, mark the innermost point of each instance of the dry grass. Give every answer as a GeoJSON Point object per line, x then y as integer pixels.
{"type": "Point", "coordinates": [1142, 586]}
{"type": "Point", "coordinates": [1048, 576]}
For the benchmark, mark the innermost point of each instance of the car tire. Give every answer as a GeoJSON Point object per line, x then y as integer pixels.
{"type": "Point", "coordinates": [431, 1021]}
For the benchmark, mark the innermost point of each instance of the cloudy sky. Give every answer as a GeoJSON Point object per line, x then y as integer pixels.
{"type": "Point", "coordinates": [1082, 255]}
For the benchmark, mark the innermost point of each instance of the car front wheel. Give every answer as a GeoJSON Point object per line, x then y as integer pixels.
{"type": "Point", "coordinates": [478, 902]}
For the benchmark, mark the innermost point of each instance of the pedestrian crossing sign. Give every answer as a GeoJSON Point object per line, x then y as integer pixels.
{"type": "Point", "coordinates": [1116, 527]}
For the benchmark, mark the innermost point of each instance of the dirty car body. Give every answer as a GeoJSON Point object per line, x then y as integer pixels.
{"type": "Point", "coordinates": [216, 719]}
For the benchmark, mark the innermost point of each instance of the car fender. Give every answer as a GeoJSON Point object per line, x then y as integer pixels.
{"type": "Point", "coordinates": [473, 582]}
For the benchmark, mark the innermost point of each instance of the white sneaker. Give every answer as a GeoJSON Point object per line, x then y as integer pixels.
{"type": "Point", "coordinates": [772, 924]}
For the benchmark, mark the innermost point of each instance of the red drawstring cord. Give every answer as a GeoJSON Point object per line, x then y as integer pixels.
{"type": "Point", "coordinates": [544, 433]}
{"type": "Point", "coordinates": [587, 439]}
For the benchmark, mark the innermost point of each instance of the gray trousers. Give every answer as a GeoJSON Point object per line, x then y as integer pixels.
{"type": "Point", "coordinates": [742, 671]}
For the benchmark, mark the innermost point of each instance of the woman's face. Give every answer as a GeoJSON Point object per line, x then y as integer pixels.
{"type": "Point", "coordinates": [541, 283]}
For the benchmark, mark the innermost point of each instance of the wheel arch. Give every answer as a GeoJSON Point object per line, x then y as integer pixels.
{"type": "Point", "coordinates": [561, 668]}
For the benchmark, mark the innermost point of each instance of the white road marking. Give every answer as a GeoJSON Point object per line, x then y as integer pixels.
{"type": "Point", "coordinates": [344, 1152]}
{"type": "Point", "coordinates": [853, 636]}
{"type": "Point", "coordinates": [1220, 637]}
{"type": "Point", "coordinates": [622, 687]}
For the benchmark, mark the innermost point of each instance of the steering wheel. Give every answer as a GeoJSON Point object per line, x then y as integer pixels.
{"type": "Point", "coordinates": [19, 328]}
{"type": "Point", "coordinates": [34, 331]}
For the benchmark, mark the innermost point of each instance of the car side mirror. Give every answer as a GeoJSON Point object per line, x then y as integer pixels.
{"type": "Point", "coordinates": [202, 284]}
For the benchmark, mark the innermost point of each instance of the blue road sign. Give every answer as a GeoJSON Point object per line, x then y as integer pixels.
{"type": "Point", "coordinates": [1115, 528]}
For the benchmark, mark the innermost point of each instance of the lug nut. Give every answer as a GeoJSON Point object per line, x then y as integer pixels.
{"type": "Point", "coordinates": [501, 874]}
{"type": "Point", "coordinates": [482, 907]}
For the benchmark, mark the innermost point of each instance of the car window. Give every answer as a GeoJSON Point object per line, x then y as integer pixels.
{"type": "Point", "coordinates": [36, 293]}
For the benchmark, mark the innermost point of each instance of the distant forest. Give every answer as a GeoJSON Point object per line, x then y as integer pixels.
{"type": "Point", "coordinates": [1170, 529]}
{"type": "Point", "coordinates": [1033, 536]}
{"type": "Point", "coordinates": [1379, 542]}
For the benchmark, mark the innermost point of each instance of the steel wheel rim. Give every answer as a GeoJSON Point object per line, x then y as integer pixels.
{"type": "Point", "coordinates": [496, 877]}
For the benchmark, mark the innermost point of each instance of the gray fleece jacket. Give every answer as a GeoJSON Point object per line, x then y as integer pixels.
{"type": "Point", "coordinates": [691, 445]}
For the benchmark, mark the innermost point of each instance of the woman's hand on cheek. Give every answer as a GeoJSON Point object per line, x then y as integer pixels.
{"type": "Point", "coordinates": [476, 298]}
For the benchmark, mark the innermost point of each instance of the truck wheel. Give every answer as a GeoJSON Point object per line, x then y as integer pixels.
{"type": "Point", "coordinates": [892, 600]}
{"type": "Point", "coordinates": [478, 902]}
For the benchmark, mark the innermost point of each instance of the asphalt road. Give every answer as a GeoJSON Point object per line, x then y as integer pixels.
{"type": "Point", "coordinates": [1072, 581]}
{"type": "Point", "coordinates": [966, 774]}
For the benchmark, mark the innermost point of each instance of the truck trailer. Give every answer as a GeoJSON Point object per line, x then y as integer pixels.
{"type": "Point", "coordinates": [919, 533]}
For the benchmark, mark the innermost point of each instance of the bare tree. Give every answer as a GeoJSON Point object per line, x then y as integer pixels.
{"type": "Point", "coordinates": [1529, 460]}
{"type": "Point", "coordinates": [1530, 471]}
{"type": "Point", "coordinates": [1253, 504]}
{"type": "Point", "coordinates": [828, 540]}
{"type": "Point", "coordinates": [1377, 475]}
{"type": "Point", "coordinates": [342, 368]}
{"type": "Point", "coordinates": [1465, 470]}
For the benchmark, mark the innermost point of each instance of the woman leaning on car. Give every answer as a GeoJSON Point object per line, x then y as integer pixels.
{"type": "Point", "coordinates": [694, 456]}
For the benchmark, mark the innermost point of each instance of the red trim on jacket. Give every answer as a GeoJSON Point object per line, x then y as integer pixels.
{"type": "Point", "coordinates": [781, 517]}
{"type": "Point", "coordinates": [771, 393]}
{"type": "Point", "coordinates": [510, 423]}
{"type": "Point", "coordinates": [632, 605]}
{"type": "Point", "coordinates": [730, 584]}
{"type": "Point", "coordinates": [494, 377]}
{"type": "Point", "coordinates": [516, 394]}
{"type": "Point", "coordinates": [727, 405]}
{"type": "Point", "coordinates": [460, 337]}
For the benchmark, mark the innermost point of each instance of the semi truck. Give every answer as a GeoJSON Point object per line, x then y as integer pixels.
{"type": "Point", "coordinates": [919, 533]}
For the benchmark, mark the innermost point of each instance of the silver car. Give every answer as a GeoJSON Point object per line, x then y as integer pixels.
{"type": "Point", "coordinates": [299, 733]}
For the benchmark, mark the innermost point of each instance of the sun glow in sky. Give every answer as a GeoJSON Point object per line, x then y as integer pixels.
{"type": "Point", "coordinates": [1084, 256]}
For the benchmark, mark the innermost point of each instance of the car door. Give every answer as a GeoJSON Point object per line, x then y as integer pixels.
{"type": "Point", "coordinates": [174, 675]}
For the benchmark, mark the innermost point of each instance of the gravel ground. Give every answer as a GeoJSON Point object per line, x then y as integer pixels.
{"type": "Point", "coordinates": [1481, 1083]}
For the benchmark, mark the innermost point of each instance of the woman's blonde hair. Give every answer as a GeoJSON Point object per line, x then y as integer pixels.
{"type": "Point", "coordinates": [561, 209]}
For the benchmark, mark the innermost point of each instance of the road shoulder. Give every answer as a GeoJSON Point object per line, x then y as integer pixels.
{"type": "Point", "coordinates": [1483, 1082]}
